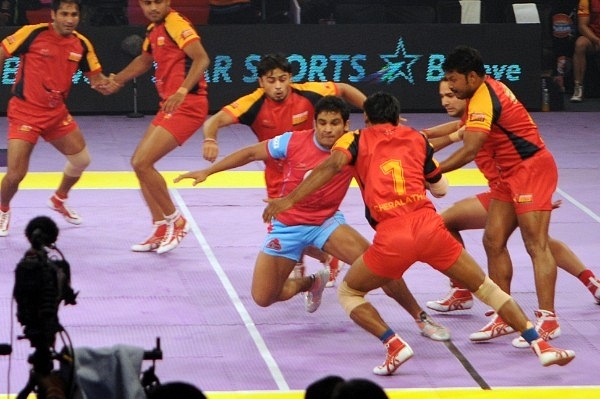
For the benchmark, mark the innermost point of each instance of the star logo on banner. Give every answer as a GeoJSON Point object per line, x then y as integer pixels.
{"type": "Point", "coordinates": [398, 65]}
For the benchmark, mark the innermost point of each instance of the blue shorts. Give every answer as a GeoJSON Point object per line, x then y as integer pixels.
{"type": "Point", "coordinates": [290, 241]}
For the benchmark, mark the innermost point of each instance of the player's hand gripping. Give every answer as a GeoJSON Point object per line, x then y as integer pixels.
{"type": "Point", "coordinates": [275, 206]}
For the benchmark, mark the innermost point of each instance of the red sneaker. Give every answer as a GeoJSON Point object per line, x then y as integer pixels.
{"type": "Point", "coordinates": [546, 325]}
{"type": "Point", "coordinates": [457, 299]}
{"type": "Point", "coordinates": [59, 206]}
{"type": "Point", "coordinates": [398, 352]}
{"type": "Point", "coordinates": [550, 355]}
{"type": "Point", "coordinates": [176, 230]}
{"type": "Point", "coordinates": [495, 328]}
{"type": "Point", "coordinates": [153, 241]}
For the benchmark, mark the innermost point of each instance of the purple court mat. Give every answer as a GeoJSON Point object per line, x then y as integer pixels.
{"type": "Point", "coordinates": [197, 300]}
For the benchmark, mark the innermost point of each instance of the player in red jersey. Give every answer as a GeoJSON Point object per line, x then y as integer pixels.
{"type": "Point", "coordinates": [471, 213]}
{"type": "Point", "coordinates": [173, 43]}
{"type": "Point", "coordinates": [278, 106]}
{"type": "Point", "coordinates": [391, 164]}
{"type": "Point", "coordinates": [500, 135]}
{"type": "Point", "coordinates": [49, 54]}
{"type": "Point", "coordinates": [316, 221]}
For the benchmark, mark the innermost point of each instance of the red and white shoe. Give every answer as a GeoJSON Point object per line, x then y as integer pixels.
{"type": "Point", "coordinates": [335, 266]}
{"type": "Point", "coordinates": [58, 204]}
{"type": "Point", "coordinates": [176, 230]}
{"type": "Point", "coordinates": [153, 241]}
{"type": "Point", "coordinates": [546, 325]}
{"type": "Point", "coordinates": [457, 299]}
{"type": "Point", "coordinates": [550, 355]}
{"type": "Point", "coordinates": [594, 287]}
{"type": "Point", "coordinates": [4, 223]}
{"type": "Point", "coordinates": [495, 328]}
{"type": "Point", "coordinates": [398, 352]}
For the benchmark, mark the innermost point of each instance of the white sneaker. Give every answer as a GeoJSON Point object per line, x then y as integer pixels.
{"type": "Point", "coordinates": [577, 94]}
{"type": "Point", "coordinates": [394, 358]}
{"type": "Point", "coordinates": [4, 223]}
{"type": "Point", "coordinates": [176, 230]}
{"type": "Point", "coordinates": [312, 300]}
{"type": "Point", "coordinates": [153, 241]}
{"type": "Point", "coordinates": [547, 326]}
{"type": "Point", "coordinates": [61, 207]}
{"type": "Point", "coordinates": [432, 330]}
{"type": "Point", "coordinates": [550, 355]}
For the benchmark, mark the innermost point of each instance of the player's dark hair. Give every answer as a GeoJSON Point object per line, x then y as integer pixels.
{"type": "Point", "coordinates": [358, 388]}
{"type": "Point", "coordinates": [332, 104]}
{"type": "Point", "coordinates": [270, 62]}
{"type": "Point", "coordinates": [56, 4]}
{"type": "Point", "coordinates": [323, 388]}
{"type": "Point", "coordinates": [464, 59]}
{"type": "Point", "coordinates": [382, 107]}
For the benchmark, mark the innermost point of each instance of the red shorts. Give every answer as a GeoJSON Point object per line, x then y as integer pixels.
{"type": "Point", "coordinates": [529, 185]}
{"type": "Point", "coordinates": [485, 199]}
{"type": "Point", "coordinates": [187, 118]}
{"type": "Point", "coordinates": [29, 122]}
{"type": "Point", "coordinates": [402, 241]}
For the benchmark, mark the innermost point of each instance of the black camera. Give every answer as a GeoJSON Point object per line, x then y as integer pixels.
{"type": "Point", "coordinates": [42, 282]}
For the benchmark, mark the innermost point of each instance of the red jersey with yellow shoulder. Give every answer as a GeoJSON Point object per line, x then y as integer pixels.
{"type": "Point", "coordinates": [512, 134]}
{"type": "Point", "coordinates": [591, 8]}
{"type": "Point", "coordinates": [165, 42]}
{"type": "Point", "coordinates": [47, 63]}
{"type": "Point", "coordinates": [268, 118]}
{"type": "Point", "coordinates": [391, 165]}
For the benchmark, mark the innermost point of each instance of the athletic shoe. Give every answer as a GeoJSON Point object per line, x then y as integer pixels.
{"type": "Point", "coordinates": [59, 206]}
{"type": "Point", "coordinates": [550, 355]}
{"type": "Point", "coordinates": [593, 286]}
{"type": "Point", "coordinates": [4, 223]}
{"type": "Point", "coordinates": [457, 299]}
{"type": "Point", "coordinates": [153, 241]}
{"type": "Point", "coordinates": [334, 266]}
{"type": "Point", "coordinates": [577, 94]}
{"type": "Point", "coordinates": [176, 230]}
{"type": "Point", "coordinates": [312, 300]}
{"type": "Point", "coordinates": [431, 329]}
{"type": "Point", "coordinates": [546, 325]}
{"type": "Point", "coordinates": [495, 328]}
{"type": "Point", "coordinates": [298, 271]}
{"type": "Point", "coordinates": [398, 352]}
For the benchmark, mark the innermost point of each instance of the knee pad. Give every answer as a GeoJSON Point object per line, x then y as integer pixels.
{"type": "Point", "coordinates": [349, 298]}
{"type": "Point", "coordinates": [490, 294]}
{"type": "Point", "coordinates": [76, 163]}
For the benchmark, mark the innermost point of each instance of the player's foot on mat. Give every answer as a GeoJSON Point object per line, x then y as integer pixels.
{"type": "Point", "coordinates": [4, 223]}
{"type": "Point", "coordinates": [176, 230]}
{"type": "Point", "coordinates": [495, 328]}
{"type": "Point", "coordinates": [432, 330]}
{"type": "Point", "coordinates": [550, 355]}
{"type": "Point", "coordinates": [457, 299]}
{"type": "Point", "coordinates": [153, 241]}
{"type": "Point", "coordinates": [312, 299]}
{"type": "Point", "coordinates": [60, 206]}
{"type": "Point", "coordinates": [398, 352]}
{"type": "Point", "coordinates": [547, 327]}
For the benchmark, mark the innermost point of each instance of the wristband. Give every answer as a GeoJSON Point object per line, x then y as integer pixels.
{"type": "Point", "coordinates": [210, 140]}
{"type": "Point", "coordinates": [182, 90]}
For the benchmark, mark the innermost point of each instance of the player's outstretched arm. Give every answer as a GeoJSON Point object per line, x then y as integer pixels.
{"type": "Point", "coordinates": [255, 152]}
{"type": "Point", "coordinates": [210, 147]}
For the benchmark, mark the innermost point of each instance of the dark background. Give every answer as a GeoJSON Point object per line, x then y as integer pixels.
{"type": "Point", "coordinates": [313, 49]}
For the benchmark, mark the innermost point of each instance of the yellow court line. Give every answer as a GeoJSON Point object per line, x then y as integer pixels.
{"type": "Point", "coordinates": [475, 393]}
{"type": "Point", "coordinates": [229, 179]}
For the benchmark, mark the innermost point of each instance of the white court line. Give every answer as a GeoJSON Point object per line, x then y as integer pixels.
{"type": "Point", "coordinates": [579, 205]}
{"type": "Point", "coordinates": [233, 295]}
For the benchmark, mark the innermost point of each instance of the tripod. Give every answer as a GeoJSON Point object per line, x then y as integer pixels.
{"type": "Point", "coordinates": [43, 380]}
